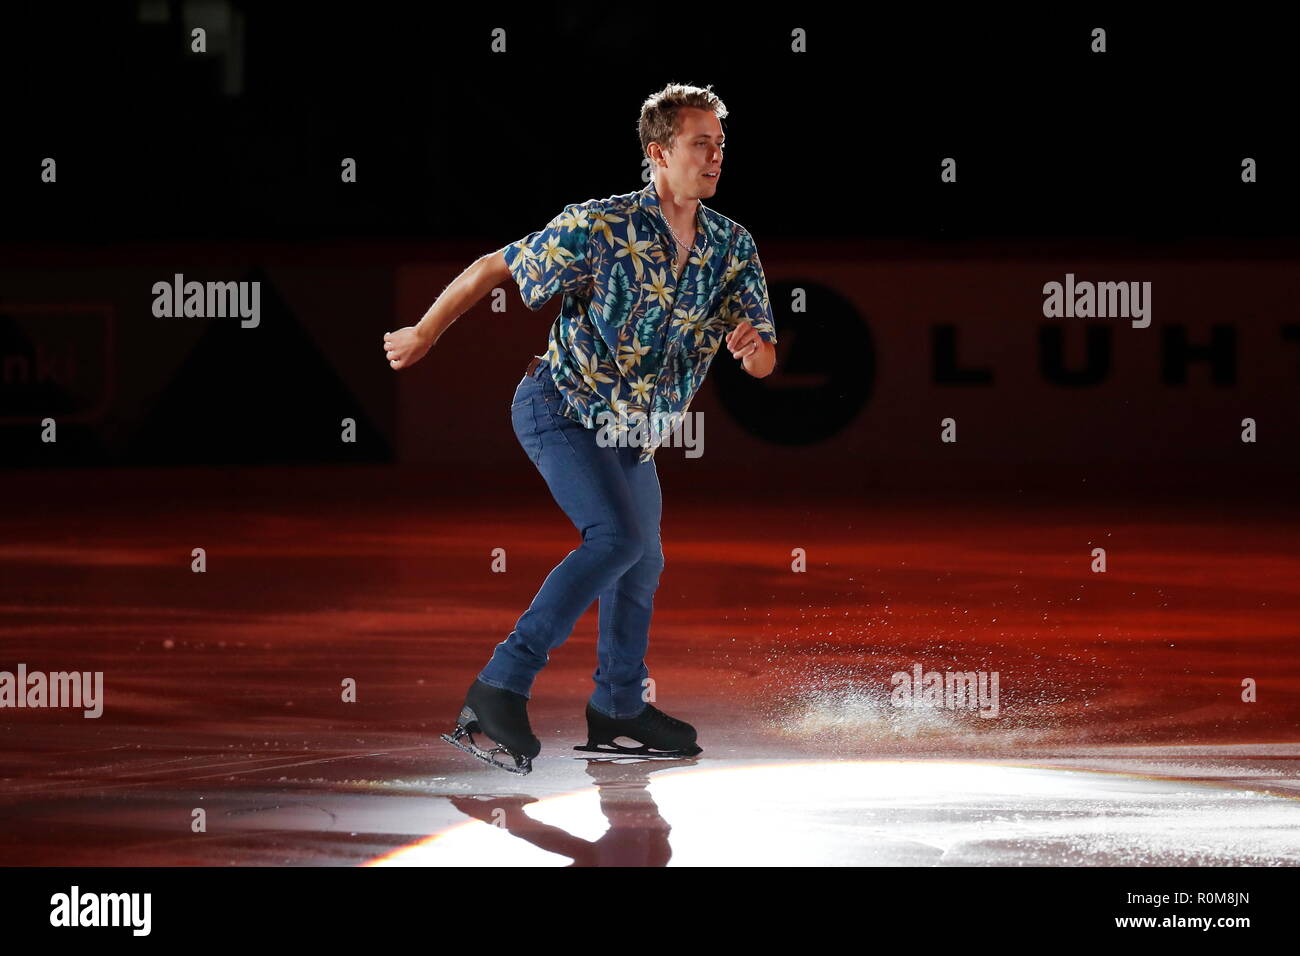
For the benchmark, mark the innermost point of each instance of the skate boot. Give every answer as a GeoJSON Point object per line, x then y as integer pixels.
{"type": "Point", "coordinates": [658, 734]}
{"type": "Point", "coordinates": [501, 715]}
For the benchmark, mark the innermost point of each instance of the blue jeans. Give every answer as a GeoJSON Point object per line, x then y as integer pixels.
{"type": "Point", "coordinates": [615, 503]}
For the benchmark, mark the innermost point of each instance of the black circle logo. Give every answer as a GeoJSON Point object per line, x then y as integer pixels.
{"type": "Point", "coordinates": [825, 369]}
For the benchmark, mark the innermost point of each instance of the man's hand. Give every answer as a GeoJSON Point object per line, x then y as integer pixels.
{"type": "Point", "coordinates": [406, 346]}
{"type": "Point", "coordinates": [757, 357]}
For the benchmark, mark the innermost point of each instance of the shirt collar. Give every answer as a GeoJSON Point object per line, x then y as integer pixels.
{"type": "Point", "coordinates": [650, 200]}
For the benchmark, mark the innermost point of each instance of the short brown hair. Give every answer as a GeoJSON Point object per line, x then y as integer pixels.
{"type": "Point", "coordinates": [659, 112]}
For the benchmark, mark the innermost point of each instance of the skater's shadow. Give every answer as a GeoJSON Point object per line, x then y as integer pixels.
{"type": "Point", "coordinates": [637, 834]}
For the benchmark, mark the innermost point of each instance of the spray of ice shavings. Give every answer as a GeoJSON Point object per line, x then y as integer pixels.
{"type": "Point", "coordinates": [864, 713]}
{"type": "Point", "coordinates": [842, 697]}
{"type": "Point", "coordinates": [862, 719]}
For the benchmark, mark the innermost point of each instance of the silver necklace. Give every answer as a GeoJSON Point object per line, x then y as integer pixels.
{"type": "Point", "coordinates": [677, 275]}
{"type": "Point", "coordinates": [674, 232]}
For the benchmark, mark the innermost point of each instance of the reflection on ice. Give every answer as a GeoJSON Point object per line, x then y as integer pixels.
{"type": "Point", "coordinates": [873, 813]}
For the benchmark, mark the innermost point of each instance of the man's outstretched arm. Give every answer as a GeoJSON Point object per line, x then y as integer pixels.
{"type": "Point", "coordinates": [404, 347]}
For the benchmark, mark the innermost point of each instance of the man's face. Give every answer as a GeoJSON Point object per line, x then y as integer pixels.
{"type": "Point", "coordinates": [696, 152]}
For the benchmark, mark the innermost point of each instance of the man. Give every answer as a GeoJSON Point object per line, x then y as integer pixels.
{"type": "Point", "coordinates": [653, 283]}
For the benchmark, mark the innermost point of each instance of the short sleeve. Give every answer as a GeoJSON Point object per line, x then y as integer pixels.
{"type": "Point", "coordinates": [554, 259]}
{"type": "Point", "coordinates": [745, 290]}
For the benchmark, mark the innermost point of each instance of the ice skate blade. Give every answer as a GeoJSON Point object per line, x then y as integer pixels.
{"type": "Point", "coordinates": [629, 759]}
{"type": "Point", "coordinates": [610, 751]}
{"type": "Point", "coordinates": [522, 764]}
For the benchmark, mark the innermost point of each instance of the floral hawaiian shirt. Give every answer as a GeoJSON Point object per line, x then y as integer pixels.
{"type": "Point", "coordinates": [630, 340]}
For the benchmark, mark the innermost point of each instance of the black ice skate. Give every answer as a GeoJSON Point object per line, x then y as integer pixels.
{"type": "Point", "coordinates": [658, 734]}
{"type": "Point", "coordinates": [501, 715]}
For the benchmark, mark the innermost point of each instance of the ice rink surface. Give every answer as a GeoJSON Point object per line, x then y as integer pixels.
{"type": "Point", "coordinates": [1120, 735]}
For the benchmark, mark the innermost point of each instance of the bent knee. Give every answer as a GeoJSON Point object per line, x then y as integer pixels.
{"type": "Point", "coordinates": [623, 546]}
{"type": "Point", "coordinates": [652, 558]}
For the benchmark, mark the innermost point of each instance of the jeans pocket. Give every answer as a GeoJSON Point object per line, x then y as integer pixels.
{"type": "Point", "coordinates": [551, 418]}
{"type": "Point", "coordinates": [525, 425]}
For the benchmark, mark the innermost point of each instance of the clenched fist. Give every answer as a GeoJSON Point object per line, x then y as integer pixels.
{"type": "Point", "coordinates": [405, 346]}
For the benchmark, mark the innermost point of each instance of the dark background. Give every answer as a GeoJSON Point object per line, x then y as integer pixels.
{"type": "Point", "coordinates": [225, 166]}
{"type": "Point", "coordinates": [455, 141]}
